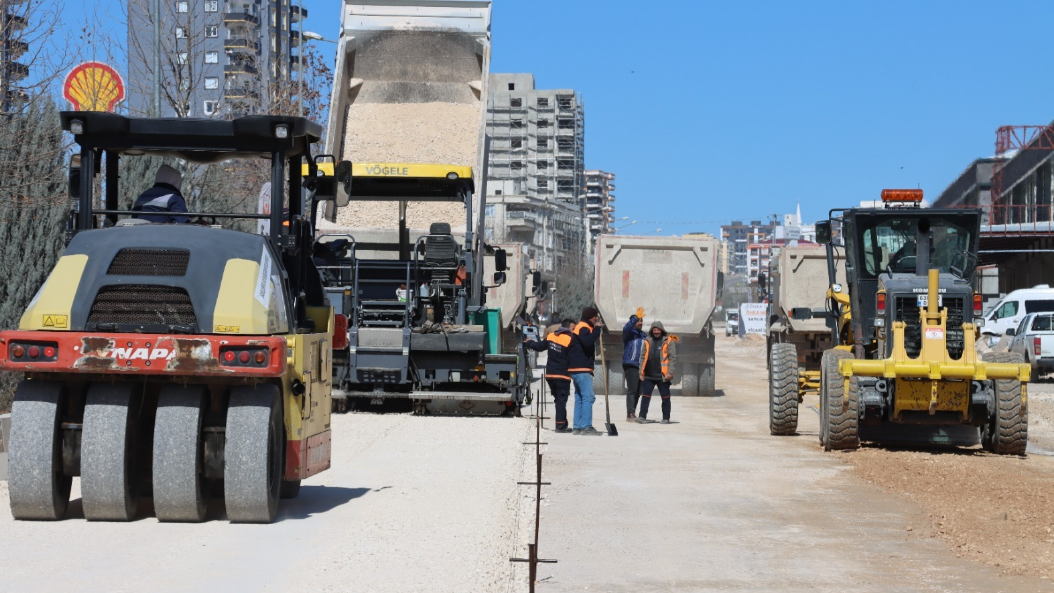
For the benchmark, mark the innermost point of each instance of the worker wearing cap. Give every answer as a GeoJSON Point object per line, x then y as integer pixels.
{"type": "Point", "coordinates": [557, 342]}
{"type": "Point", "coordinates": [633, 337]}
{"type": "Point", "coordinates": [657, 360]}
{"type": "Point", "coordinates": [164, 196]}
{"type": "Point", "coordinates": [581, 359]}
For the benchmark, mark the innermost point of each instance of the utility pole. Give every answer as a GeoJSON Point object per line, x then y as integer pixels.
{"type": "Point", "coordinates": [300, 51]}
{"type": "Point", "coordinates": [157, 57]}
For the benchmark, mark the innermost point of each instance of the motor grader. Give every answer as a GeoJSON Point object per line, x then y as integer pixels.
{"type": "Point", "coordinates": [176, 359]}
{"type": "Point", "coordinates": [903, 366]}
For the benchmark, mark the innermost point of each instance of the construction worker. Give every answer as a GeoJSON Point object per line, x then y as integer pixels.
{"type": "Point", "coordinates": [581, 358]}
{"type": "Point", "coordinates": [633, 337]}
{"type": "Point", "coordinates": [657, 359]}
{"type": "Point", "coordinates": [164, 196]}
{"type": "Point", "coordinates": [557, 342]}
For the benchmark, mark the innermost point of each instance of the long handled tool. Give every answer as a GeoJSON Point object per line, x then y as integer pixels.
{"type": "Point", "coordinates": [612, 431]}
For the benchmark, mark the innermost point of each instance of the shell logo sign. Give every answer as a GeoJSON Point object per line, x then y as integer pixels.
{"type": "Point", "coordinates": [93, 86]}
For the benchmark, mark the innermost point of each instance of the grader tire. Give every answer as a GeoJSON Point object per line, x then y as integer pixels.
{"type": "Point", "coordinates": [254, 454]}
{"type": "Point", "coordinates": [1007, 431]}
{"type": "Point", "coordinates": [841, 419]}
{"type": "Point", "coordinates": [109, 464]}
{"type": "Point", "coordinates": [38, 487]}
{"type": "Point", "coordinates": [180, 492]}
{"type": "Point", "coordinates": [783, 389]}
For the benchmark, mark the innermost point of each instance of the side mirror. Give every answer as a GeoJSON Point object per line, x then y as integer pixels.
{"type": "Point", "coordinates": [342, 172]}
{"type": "Point", "coordinates": [501, 260]}
{"type": "Point", "coordinates": [499, 278]}
{"type": "Point", "coordinates": [75, 177]}
{"type": "Point", "coordinates": [1011, 332]}
{"type": "Point", "coordinates": [762, 280]}
{"type": "Point", "coordinates": [536, 283]}
{"type": "Point", "coordinates": [823, 232]}
{"type": "Point", "coordinates": [801, 313]}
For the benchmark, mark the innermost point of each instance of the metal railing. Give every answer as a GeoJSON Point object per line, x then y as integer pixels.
{"type": "Point", "coordinates": [1015, 219]}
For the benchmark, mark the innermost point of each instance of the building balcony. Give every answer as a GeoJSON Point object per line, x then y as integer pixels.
{"type": "Point", "coordinates": [17, 71]}
{"type": "Point", "coordinates": [17, 48]}
{"type": "Point", "coordinates": [16, 22]}
{"type": "Point", "coordinates": [296, 13]}
{"type": "Point", "coordinates": [240, 93]}
{"type": "Point", "coordinates": [243, 68]}
{"type": "Point", "coordinates": [294, 39]}
{"type": "Point", "coordinates": [240, 17]}
{"type": "Point", "coordinates": [240, 44]}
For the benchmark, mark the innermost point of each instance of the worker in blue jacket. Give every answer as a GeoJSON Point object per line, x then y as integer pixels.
{"type": "Point", "coordinates": [557, 343]}
{"type": "Point", "coordinates": [633, 338]}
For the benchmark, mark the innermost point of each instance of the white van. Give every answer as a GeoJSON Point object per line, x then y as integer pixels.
{"type": "Point", "coordinates": [1009, 311]}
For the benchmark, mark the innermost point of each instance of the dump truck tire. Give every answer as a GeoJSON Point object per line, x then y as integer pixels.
{"type": "Point", "coordinates": [841, 418]}
{"type": "Point", "coordinates": [707, 380]}
{"type": "Point", "coordinates": [1007, 431]}
{"type": "Point", "coordinates": [253, 456]}
{"type": "Point", "coordinates": [38, 488]}
{"type": "Point", "coordinates": [179, 478]}
{"type": "Point", "coordinates": [109, 476]}
{"type": "Point", "coordinates": [616, 380]}
{"type": "Point", "coordinates": [690, 380]}
{"type": "Point", "coordinates": [783, 389]}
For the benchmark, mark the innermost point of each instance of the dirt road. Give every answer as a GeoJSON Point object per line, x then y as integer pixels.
{"type": "Point", "coordinates": [713, 503]}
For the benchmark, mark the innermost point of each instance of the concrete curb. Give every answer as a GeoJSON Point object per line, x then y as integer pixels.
{"type": "Point", "coordinates": [5, 431]}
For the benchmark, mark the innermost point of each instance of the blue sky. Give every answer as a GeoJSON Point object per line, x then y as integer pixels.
{"type": "Point", "coordinates": [711, 111]}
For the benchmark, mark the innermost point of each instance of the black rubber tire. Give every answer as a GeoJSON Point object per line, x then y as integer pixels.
{"type": "Point", "coordinates": [707, 380]}
{"type": "Point", "coordinates": [842, 420]}
{"type": "Point", "coordinates": [254, 454]}
{"type": "Point", "coordinates": [180, 487]}
{"type": "Point", "coordinates": [109, 447]}
{"type": "Point", "coordinates": [39, 490]}
{"type": "Point", "coordinates": [1007, 432]}
{"type": "Point", "coordinates": [616, 380]}
{"type": "Point", "coordinates": [783, 389]}
{"type": "Point", "coordinates": [290, 489]}
{"type": "Point", "coordinates": [690, 380]}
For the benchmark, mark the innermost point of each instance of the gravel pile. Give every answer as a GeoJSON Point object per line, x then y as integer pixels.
{"type": "Point", "coordinates": [444, 133]}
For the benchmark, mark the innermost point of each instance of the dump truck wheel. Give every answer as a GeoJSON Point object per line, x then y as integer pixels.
{"type": "Point", "coordinates": [783, 389]}
{"type": "Point", "coordinates": [707, 380]}
{"type": "Point", "coordinates": [179, 477]}
{"type": "Point", "coordinates": [616, 380]}
{"type": "Point", "coordinates": [1007, 431]}
{"type": "Point", "coordinates": [109, 476]}
{"type": "Point", "coordinates": [38, 487]}
{"type": "Point", "coordinates": [840, 420]}
{"type": "Point", "coordinates": [690, 380]}
{"type": "Point", "coordinates": [253, 456]}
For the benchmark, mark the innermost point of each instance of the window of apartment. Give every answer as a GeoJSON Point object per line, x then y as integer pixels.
{"type": "Point", "coordinates": [516, 165]}
{"type": "Point", "coordinates": [184, 84]}
{"type": "Point", "coordinates": [181, 32]}
{"type": "Point", "coordinates": [543, 123]}
{"type": "Point", "coordinates": [212, 31]}
{"type": "Point", "coordinates": [565, 185]}
{"type": "Point", "coordinates": [543, 101]}
{"type": "Point", "coordinates": [517, 143]}
{"type": "Point", "coordinates": [512, 86]}
{"type": "Point", "coordinates": [565, 164]}
{"type": "Point", "coordinates": [567, 124]}
{"type": "Point", "coordinates": [182, 7]}
{"type": "Point", "coordinates": [212, 6]}
{"type": "Point", "coordinates": [565, 102]}
{"type": "Point", "coordinates": [543, 164]}
{"type": "Point", "coordinates": [516, 102]}
{"type": "Point", "coordinates": [543, 143]}
{"type": "Point", "coordinates": [543, 184]}
{"type": "Point", "coordinates": [212, 83]}
{"type": "Point", "coordinates": [212, 57]}
{"type": "Point", "coordinates": [565, 143]}
{"type": "Point", "coordinates": [209, 107]}
{"type": "Point", "coordinates": [490, 211]}
{"type": "Point", "coordinates": [181, 57]}
{"type": "Point", "coordinates": [516, 124]}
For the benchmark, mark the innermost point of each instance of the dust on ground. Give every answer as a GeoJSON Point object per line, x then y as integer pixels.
{"type": "Point", "coordinates": [436, 133]}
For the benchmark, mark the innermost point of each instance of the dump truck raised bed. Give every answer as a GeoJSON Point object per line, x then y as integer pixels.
{"type": "Point", "coordinates": [676, 281]}
{"type": "Point", "coordinates": [174, 357]}
{"type": "Point", "coordinates": [903, 367]}
{"type": "Point", "coordinates": [795, 274]}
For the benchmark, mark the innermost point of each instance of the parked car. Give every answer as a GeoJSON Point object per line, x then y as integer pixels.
{"type": "Point", "coordinates": [731, 323]}
{"type": "Point", "coordinates": [1034, 339]}
{"type": "Point", "coordinates": [1011, 310]}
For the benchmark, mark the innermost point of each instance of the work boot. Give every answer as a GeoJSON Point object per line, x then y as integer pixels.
{"type": "Point", "coordinates": [590, 431]}
{"type": "Point", "coordinates": [642, 420]}
{"type": "Point", "coordinates": [631, 416]}
{"type": "Point", "coordinates": [576, 431]}
{"type": "Point", "coordinates": [665, 421]}
{"type": "Point", "coordinates": [563, 428]}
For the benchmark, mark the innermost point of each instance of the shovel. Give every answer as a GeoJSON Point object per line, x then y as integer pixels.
{"type": "Point", "coordinates": [612, 431]}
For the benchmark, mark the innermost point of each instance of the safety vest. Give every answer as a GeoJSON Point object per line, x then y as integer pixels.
{"type": "Point", "coordinates": [664, 358]}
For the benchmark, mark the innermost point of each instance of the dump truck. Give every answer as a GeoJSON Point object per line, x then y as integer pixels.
{"type": "Point", "coordinates": [794, 275]}
{"type": "Point", "coordinates": [408, 110]}
{"type": "Point", "coordinates": [514, 297]}
{"type": "Point", "coordinates": [903, 367]}
{"type": "Point", "coordinates": [676, 280]}
{"type": "Point", "coordinates": [188, 360]}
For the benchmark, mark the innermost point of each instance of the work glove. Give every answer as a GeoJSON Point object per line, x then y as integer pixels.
{"type": "Point", "coordinates": [640, 312]}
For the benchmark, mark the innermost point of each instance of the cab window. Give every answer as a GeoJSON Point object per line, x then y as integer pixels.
{"type": "Point", "coordinates": [1021, 327]}
{"type": "Point", "coordinates": [1041, 323]}
{"type": "Point", "coordinates": [1009, 309]}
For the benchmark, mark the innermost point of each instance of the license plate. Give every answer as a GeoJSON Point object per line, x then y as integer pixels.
{"type": "Point", "coordinates": [924, 300]}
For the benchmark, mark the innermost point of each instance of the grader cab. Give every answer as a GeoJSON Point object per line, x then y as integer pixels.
{"type": "Point", "coordinates": [904, 367]}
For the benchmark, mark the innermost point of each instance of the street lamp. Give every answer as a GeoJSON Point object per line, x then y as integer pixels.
{"type": "Point", "coordinates": [625, 225]}
{"type": "Point", "coordinates": [316, 37]}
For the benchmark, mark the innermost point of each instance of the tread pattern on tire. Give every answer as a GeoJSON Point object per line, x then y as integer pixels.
{"type": "Point", "coordinates": [707, 380]}
{"type": "Point", "coordinates": [842, 419]}
{"type": "Point", "coordinates": [38, 488]}
{"type": "Point", "coordinates": [179, 483]}
{"type": "Point", "coordinates": [690, 380]}
{"type": "Point", "coordinates": [783, 389]}
{"type": "Point", "coordinates": [1008, 430]}
{"type": "Point", "coordinates": [251, 489]}
{"type": "Point", "coordinates": [109, 464]}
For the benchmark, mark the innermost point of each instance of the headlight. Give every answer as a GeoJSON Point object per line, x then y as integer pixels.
{"type": "Point", "coordinates": [836, 288]}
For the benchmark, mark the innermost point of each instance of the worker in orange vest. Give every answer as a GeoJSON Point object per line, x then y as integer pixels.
{"type": "Point", "coordinates": [657, 360]}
